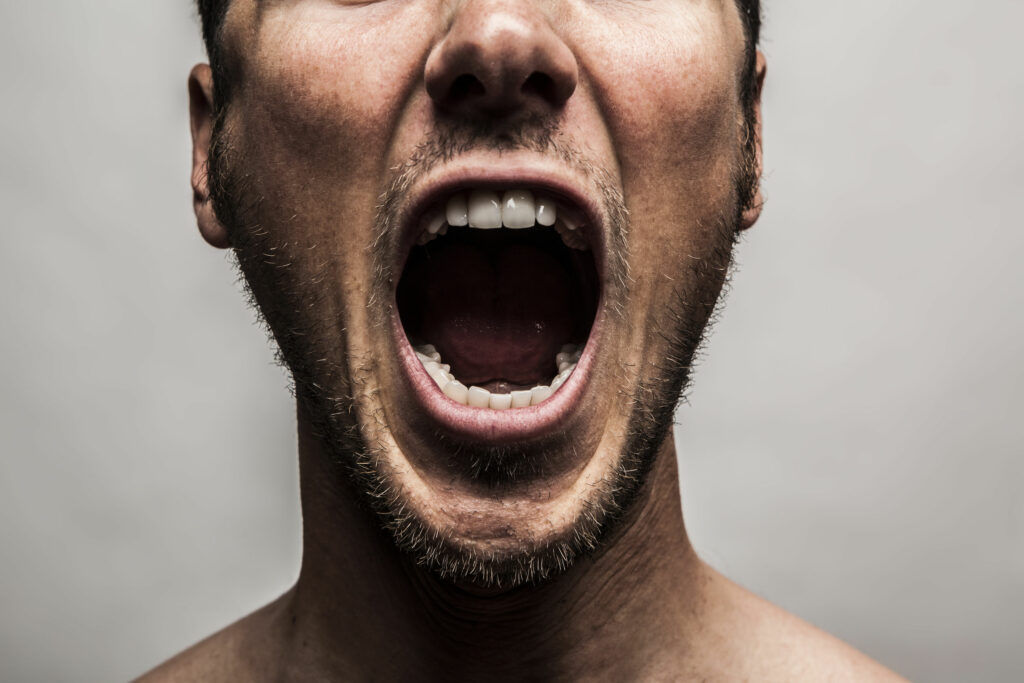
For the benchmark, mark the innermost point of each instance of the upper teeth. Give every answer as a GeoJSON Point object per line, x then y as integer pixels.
{"type": "Point", "coordinates": [517, 209]}
{"type": "Point", "coordinates": [490, 209]}
{"type": "Point", "coordinates": [478, 397]}
{"type": "Point", "coordinates": [484, 209]}
{"type": "Point", "coordinates": [487, 209]}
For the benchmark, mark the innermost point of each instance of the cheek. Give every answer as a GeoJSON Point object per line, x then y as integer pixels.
{"type": "Point", "coordinates": [669, 91]}
{"type": "Point", "coordinates": [325, 87]}
{"type": "Point", "coordinates": [324, 90]}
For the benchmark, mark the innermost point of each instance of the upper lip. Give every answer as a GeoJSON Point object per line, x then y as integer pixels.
{"type": "Point", "coordinates": [437, 188]}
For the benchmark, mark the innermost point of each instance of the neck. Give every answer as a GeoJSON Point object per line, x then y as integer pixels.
{"type": "Point", "coordinates": [363, 607]}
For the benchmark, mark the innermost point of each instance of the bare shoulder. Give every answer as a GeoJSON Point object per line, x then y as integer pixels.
{"type": "Point", "coordinates": [244, 651]}
{"type": "Point", "coordinates": [769, 644]}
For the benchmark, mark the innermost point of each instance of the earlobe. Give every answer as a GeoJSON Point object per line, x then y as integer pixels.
{"type": "Point", "coordinates": [200, 95]}
{"type": "Point", "coordinates": [753, 211]}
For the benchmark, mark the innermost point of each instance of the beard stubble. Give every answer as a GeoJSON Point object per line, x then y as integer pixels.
{"type": "Point", "coordinates": [277, 276]}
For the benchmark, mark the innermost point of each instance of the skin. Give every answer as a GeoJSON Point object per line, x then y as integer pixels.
{"type": "Point", "coordinates": [329, 98]}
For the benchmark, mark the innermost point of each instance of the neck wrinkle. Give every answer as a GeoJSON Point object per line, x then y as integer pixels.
{"type": "Point", "coordinates": [362, 609]}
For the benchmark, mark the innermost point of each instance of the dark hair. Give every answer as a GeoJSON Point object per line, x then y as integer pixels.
{"type": "Point", "coordinates": [750, 13]}
{"type": "Point", "coordinates": [211, 14]}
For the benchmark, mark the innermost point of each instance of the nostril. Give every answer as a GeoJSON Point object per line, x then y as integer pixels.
{"type": "Point", "coordinates": [541, 85]}
{"type": "Point", "coordinates": [465, 86]}
{"type": "Point", "coordinates": [493, 63]}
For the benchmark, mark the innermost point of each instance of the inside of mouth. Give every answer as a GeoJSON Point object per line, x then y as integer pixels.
{"type": "Point", "coordinates": [499, 311]}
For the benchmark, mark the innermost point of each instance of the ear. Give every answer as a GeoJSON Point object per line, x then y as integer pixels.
{"type": "Point", "coordinates": [753, 212]}
{"type": "Point", "coordinates": [200, 109]}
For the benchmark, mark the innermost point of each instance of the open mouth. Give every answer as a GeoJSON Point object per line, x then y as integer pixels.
{"type": "Point", "coordinates": [499, 296]}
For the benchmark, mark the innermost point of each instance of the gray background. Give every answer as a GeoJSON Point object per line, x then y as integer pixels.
{"type": "Point", "coordinates": [851, 450]}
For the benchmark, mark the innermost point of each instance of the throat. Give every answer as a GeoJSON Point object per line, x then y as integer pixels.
{"type": "Point", "coordinates": [623, 600]}
{"type": "Point", "coordinates": [497, 316]}
{"type": "Point", "coordinates": [499, 308]}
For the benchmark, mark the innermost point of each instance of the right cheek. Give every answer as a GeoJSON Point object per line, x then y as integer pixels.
{"type": "Point", "coordinates": [317, 175]}
{"type": "Point", "coordinates": [309, 122]}
{"type": "Point", "coordinates": [312, 156]}
{"type": "Point", "coordinates": [328, 85]}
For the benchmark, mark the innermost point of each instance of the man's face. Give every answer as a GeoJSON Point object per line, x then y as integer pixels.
{"type": "Point", "coordinates": [505, 181]}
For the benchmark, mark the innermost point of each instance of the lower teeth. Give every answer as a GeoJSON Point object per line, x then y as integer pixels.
{"type": "Point", "coordinates": [478, 397]}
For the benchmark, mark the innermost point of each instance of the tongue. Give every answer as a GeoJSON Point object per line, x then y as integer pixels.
{"type": "Point", "coordinates": [497, 315]}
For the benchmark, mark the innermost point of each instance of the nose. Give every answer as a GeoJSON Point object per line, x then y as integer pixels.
{"type": "Point", "coordinates": [500, 57]}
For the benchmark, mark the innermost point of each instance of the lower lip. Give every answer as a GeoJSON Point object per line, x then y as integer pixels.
{"type": "Point", "coordinates": [487, 425]}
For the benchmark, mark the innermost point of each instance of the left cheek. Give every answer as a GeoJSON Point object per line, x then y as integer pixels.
{"type": "Point", "coordinates": [671, 107]}
{"type": "Point", "coordinates": [668, 94]}
{"type": "Point", "coordinates": [678, 151]}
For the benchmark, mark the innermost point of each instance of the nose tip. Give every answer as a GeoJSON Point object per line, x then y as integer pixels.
{"type": "Point", "coordinates": [500, 57]}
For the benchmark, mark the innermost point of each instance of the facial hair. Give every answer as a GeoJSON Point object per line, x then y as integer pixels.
{"type": "Point", "coordinates": [291, 294]}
